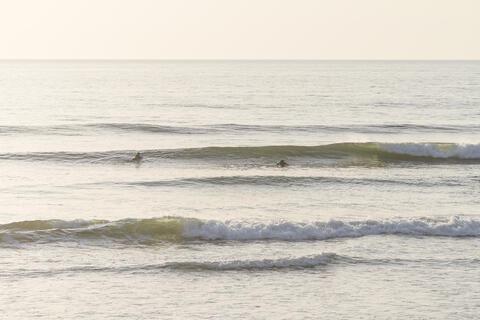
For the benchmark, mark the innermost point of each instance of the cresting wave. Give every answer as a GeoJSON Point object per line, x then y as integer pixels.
{"type": "Point", "coordinates": [151, 231]}
{"type": "Point", "coordinates": [381, 152]}
{"type": "Point", "coordinates": [302, 262]}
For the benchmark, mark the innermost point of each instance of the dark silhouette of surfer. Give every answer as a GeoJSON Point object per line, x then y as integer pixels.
{"type": "Point", "coordinates": [138, 157]}
{"type": "Point", "coordinates": [282, 164]}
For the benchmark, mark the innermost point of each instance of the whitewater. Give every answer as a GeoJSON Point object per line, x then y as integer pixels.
{"type": "Point", "coordinates": [177, 229]}
{"type": "Point", "coordinates": [376, 214]}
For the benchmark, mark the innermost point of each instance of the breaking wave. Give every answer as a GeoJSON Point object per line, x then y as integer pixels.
{"type": "Point", "coordinates": [434, 150]}
{"type": "Point", "coordinates": [151, 231]}
{"type": "Point", "coordinates": [381, 152]}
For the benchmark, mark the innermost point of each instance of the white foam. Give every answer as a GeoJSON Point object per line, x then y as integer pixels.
{"type": "Point", "coordinates": [176, 228]}
{"type": "Point", "coordinates": [462, 151]}
{"type": "Point", "coordinates": [285, 230]}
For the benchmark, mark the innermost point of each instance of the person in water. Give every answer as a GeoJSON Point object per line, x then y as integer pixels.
{"type": "Point", "coordinates": [138, 157]}
{"type": "Point", "coordinates": [282, 164]}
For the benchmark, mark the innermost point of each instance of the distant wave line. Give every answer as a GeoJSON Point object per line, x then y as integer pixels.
{"type": "Point", "coordinates": [150, 128]}
{"type": "Point", "coordinates": [276, 180]}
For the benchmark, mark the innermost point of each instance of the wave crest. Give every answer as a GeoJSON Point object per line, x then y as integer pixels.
{"type": "Point", "coordinates": [434, 150]}
{"type": "Point", "coordinates": [300, 262]}
{"type": "Point", "coordinates": [380, 152]}
{"type": "Point", "coordinates": [150, 231]}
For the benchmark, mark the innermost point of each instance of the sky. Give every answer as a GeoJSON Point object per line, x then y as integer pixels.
{"type": "Point", "coordinates": [240, 29]}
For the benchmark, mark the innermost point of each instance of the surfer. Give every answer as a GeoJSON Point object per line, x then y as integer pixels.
{"type": "Point", "coordinates": [138, 157]}
{"type": "Point", "coordinates": [282, 164]}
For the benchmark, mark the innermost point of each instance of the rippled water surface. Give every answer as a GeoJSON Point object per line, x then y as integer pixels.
{"type": "Point", "coordinates": [376, 214]}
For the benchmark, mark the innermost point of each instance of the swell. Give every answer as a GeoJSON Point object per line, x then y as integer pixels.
{"type": "Point", "coordinates": [154, 230]}
{"type": "Point", "coordinates": [287, 263]}
{"type": "Point", "coordinates": [368, 151]}
{"type": "Point", "coordinates": [280, 180]}
{"type": "Point", "coordinates": [303, 262]}
{"type": "Point", "coordinates": [263, 264]}
{"type": "Point", "coordinates": [146, 128]}
{"type": "Point", "coordinates": [311, 261]}
{"type": "Point", "coordinates": [87, 129]}
{"type": "Point", "coordinates": [150, 128]}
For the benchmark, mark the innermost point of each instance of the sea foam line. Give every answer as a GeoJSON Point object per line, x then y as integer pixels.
{"type": "Point", "coordinates": [151, 231]}
{"type": "Point", "coordinates": [434, 150]}
{"type": "Point", "coordinates": [286, 230]}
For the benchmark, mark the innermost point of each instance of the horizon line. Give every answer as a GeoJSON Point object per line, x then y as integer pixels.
{"type": "Point", "coordinates": [222, 59]}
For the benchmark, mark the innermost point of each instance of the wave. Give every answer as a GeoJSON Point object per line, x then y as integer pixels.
{"type": "Point", "coordinates": [350, 128]}
{"type": "Point", "coordinates": [434, 150]}
{"type": "Point", "coordinates": [303, 262]}
{"type": "Point", "coordinates": [87, 129]}
{"type": "Point", "coordinates": [151, 231]}
{"type": "Point", "coordinates": [291, 263]}
{"type": "Point", "coordinates": [279, 180]}
{"type": "Point", "coordinates": [367, 151]}
{"type": "Point", "coordinates": [300, 262]}
{"type": "Point", "coordinates": [150, 128]}
{"type": "Point", "coordinates": [147, 128]}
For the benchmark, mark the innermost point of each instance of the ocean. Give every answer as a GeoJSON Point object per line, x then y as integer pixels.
{"type": "Point", "coordinates": [376, 214]}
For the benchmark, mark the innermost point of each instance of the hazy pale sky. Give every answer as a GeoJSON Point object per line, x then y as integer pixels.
{"type": "Point", "coordinates": [241, 29]}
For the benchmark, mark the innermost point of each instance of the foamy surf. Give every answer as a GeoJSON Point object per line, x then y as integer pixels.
{"type": "Point", "coordinates": [434, 150]}
{"type": "Point", "coordinates": [151, 231]}
{"type": "Point", "coordinates": [286, 230]}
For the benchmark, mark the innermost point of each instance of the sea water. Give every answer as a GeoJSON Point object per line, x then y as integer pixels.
{"type": "Point", "coordinates": [375, 216]}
